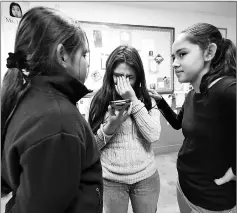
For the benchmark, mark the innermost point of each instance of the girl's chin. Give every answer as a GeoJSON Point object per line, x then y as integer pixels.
{"type": "Point", "coordinates": [182, 80]}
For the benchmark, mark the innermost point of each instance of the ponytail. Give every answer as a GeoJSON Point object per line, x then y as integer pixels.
{"type": "Point", "coordinates": [14, 86]}
{"type": "Point", "coordinates": [223, 64]}
{"type": "Point", "coordinates": [229, 63]}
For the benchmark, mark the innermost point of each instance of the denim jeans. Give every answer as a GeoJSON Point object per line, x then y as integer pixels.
{"type": "Point", "coordinates": [143, 195]}
{"type": "Point", "coordinates": [186, 206]}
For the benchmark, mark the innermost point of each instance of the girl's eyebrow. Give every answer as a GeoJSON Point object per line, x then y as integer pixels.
{"type": "Point", "coordinates": [177, 51]}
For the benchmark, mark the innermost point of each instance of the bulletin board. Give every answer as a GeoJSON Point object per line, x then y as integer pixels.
{"type": "Point", "coordinates": [153, 44]}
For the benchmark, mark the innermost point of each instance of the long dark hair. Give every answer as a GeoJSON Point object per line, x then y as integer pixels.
{"type": "Point", "coordinates": [100, 102]}
{"type": "Point", "coordinates": [39, 32]}
{"type": "Point", "coordinates": [224, 61]}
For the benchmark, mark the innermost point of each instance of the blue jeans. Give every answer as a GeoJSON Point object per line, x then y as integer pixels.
{"type": "Point", "coordinates": [143, 195]}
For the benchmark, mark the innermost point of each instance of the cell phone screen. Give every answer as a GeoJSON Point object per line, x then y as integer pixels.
{"type": "Point", "coordinates": [120, 104]}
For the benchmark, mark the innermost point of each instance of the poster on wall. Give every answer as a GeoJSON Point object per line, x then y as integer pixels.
{"type": "Point", "coordinates": [97, 35]}
{"type": "Point", "coordinates": [11, 14]}
{"type": "Point", "coordinates": [15, 10]}
{"type": "Point", "coordinates": [152, 43]}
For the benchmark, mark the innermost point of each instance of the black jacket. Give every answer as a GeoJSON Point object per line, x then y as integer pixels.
{"type": "Point", "coordinates": [208, 124]}
{"type": "Point", "coordinates": [50, 160]}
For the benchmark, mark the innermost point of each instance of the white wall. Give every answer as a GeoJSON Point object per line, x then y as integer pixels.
{"type": "Point", "coordinates": [117, 13]}
{"type": "Point", "coordinates": [120, 13]}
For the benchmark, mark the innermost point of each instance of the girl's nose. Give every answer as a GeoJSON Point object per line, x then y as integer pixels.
{"type": "Point", "coordinates": [175, 63]}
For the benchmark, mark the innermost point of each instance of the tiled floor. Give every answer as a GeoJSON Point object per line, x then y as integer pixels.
{"type": "Point", "coordinates": [167, 203]}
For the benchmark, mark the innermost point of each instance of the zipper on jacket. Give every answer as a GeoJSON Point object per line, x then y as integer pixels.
{"type": "Point", "coordinates": [100, 203]}
{"type": "Point", "coordinates": [98, 192]}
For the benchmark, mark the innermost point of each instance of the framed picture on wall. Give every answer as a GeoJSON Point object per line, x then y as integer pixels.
{"type": "Point", "coordinates": [153, 44]}
{"type": "Point", "coordinates": [223, 32]}
{"type": "Point", "coordinates": [15, 10]}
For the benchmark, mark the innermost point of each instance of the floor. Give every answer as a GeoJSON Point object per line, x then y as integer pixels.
{"type": "Point", "coordinates": [167, 203]}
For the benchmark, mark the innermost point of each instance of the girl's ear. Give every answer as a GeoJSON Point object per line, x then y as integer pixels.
{"type": "Point", "coordinates": [62, 56]}
{"type": "Point", "coordinates": [210, 52]}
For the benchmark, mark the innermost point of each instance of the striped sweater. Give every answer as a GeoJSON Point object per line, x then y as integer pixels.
{"type": "Point", "coordinates": [127, 155]}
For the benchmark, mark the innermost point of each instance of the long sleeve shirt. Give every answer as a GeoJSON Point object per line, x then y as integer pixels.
{"type": "Point", "coordinates": [208, 124]}
{"type": "Point", "coordinates": [127, 155]}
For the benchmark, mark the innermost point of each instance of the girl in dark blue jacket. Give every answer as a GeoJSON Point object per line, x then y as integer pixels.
{"type": "Point", "coordinates": [50, 161]}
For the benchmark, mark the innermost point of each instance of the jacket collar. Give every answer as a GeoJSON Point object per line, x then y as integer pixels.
{"type": "Point", "coordinates": [66, 85]}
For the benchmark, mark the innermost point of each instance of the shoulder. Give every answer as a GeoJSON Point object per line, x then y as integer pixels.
{"type": "Point", "coordinates": [225, 86]}
{"type": "Point", "coordinates": [226, 82]}
{"type": "Point", "coordinates": [225, 90]}
{"type": "Point", "coordinates": [53, 115]}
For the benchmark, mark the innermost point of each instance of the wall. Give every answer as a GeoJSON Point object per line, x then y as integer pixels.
{"type": "Point", "coordinates": [117, 13]}
{"type": "Point", "coordinates": [170, 139]}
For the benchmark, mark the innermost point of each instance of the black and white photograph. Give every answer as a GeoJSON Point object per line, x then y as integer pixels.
{"type": "Point", "coordinates": [118, 106]}
{"type": "Point", "coordinates": [15, 10]}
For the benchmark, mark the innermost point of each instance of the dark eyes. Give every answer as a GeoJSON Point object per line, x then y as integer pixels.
{"type": "Point", "coordinates": [130, 77]}
{"type": "Point", "coordinates": [182, 55]}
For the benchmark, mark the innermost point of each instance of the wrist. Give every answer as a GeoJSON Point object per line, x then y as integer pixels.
{"type": "Point", "coordinates": [134, 99]}
{"type": "Point", "coordinates": [158, 99]}
{"type": "Point", "coordinates": [109, 128]}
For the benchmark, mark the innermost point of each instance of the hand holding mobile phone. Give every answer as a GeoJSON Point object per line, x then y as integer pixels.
{"type": "Point", "coordinates": [120, 104]}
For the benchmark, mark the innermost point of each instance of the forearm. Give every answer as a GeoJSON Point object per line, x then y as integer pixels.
{"type": "Point", "coordinates": [174, 120]}
{"type": "Point", "coordinates": [148, 125]}
{"type": "Point", "coordinates": [104, 134]}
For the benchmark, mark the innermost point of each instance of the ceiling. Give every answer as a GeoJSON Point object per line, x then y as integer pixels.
{"type": "Point", "coordinates": [217, 8]}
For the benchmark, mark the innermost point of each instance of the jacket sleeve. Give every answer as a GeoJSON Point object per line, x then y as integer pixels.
{"type": "Point", "coordinates": [174, 120]}
{"type": "Point", "coordinates": [228, 102]}
{"type": "Point", "coordinates": [5, 189]}
{"type": "Point", "coordinates": [148, 123]}
{"type": "Point", "coordinates": [50, 178]}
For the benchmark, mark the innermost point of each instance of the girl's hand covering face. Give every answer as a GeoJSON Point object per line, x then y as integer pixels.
{"type": "Point", "coordinates": [124, 89]}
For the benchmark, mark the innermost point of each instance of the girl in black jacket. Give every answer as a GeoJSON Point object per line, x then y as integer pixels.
{"type": "Point", "coordinates": [50, 161]}
{"type": "Point", "coordinates": [207, 159]}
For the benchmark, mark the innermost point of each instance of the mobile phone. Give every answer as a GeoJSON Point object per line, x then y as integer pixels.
{"type": "Point", "coordinates": [120, 104]}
